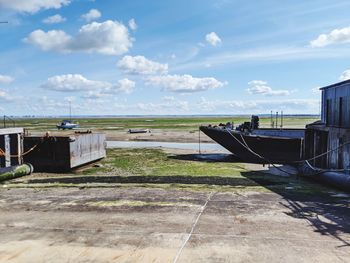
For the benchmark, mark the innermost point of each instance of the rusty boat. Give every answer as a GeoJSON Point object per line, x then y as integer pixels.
{"type": "Point", "coordinates": [252, 144]}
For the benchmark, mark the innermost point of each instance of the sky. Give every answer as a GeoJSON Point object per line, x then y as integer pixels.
{"type": "Point", "coordinates": [162, 57]}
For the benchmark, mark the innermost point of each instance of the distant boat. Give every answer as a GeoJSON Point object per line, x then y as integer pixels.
{"type": "Point", "coordinates": [138, 131]}
{"type": "Point", "coordinates": [254, 145]}
{"type": "Point", "coordinates": [67, 124]}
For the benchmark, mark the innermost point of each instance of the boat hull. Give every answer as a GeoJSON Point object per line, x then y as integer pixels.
{"type": "Point", "coordinates": [278, 150]}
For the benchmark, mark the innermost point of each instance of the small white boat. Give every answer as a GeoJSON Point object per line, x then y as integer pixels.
{"type": "Point", "coordinates": [67, 124]}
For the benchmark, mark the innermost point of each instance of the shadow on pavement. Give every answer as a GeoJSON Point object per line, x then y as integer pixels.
{"type": "Point", "coordinates": [327, 214]}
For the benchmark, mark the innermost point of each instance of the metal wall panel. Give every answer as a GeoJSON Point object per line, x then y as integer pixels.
{"type": "Point", "coordinates": [62, 153]}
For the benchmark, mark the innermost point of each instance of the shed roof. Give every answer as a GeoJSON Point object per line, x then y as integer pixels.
{"type": "Point", "coordinates": [336, 84]}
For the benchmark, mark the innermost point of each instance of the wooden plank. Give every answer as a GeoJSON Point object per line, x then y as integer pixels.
{"type": "Point", "coordinates": [7, 151]}
{"type": "Point", "coordinates": [11, 131]}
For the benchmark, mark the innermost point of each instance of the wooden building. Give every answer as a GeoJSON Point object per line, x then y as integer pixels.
{"type": "Point", "coordinates": [332, 133]}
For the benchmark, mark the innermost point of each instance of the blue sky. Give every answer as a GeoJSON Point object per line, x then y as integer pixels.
{"type": "Point", "coordinates": [170, 57]}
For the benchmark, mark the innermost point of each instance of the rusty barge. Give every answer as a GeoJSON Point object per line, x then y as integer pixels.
{"type": "Point", "coordinates": [62, 153]}
{"type": "Point", "coordinates": [259, 145]}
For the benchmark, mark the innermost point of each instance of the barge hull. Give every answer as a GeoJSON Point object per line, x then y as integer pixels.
{"type": "Point", "coordinates": [278, 150]}
{"type": "Point", "coordinates": [63, 153]}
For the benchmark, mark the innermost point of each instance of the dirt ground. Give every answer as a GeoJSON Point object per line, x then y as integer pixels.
{"type": "Point", "coordinates": [138, 224]}
{"type": "Point", "coordinates": [182, 136]}
{"type": "Point", "coordinates": [157, 135]}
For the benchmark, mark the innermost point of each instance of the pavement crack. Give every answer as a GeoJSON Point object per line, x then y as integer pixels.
{"type": "Point", "coordinates": [179, 252]}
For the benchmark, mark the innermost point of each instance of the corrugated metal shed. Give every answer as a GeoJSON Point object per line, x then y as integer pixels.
{"type": "Point", "coordinates": [336, 105]}
{"type": "Point", "coordinates": [332, 134]}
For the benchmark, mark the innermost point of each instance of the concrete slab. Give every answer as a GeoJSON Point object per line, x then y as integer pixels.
{"type": "Point", "coordinates": [156, 225]}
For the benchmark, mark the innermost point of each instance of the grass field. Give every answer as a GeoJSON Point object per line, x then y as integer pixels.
{"type": "Point", "coordinates": [169, 123]}
{"type": "Point", "coordinates": [151, 168]}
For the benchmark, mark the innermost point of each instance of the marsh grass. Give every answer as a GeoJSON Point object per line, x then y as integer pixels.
{"type": "Point", "coordinates": [155, 162]}
{"type": "Point", "coordinates": [170, 123]}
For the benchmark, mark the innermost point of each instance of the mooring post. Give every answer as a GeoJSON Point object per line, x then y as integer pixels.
{"type": "Point", "coordinates": [281, 120]}
{"type": "Point", "coordinates": [276, 119]}
{"type": "Point", "coordinates": [272, 126]}
{"type": "Point", "coordinates": [199, 140]}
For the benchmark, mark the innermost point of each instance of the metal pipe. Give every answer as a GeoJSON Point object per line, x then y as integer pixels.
{"type": "Point", "coordinates": [340, 180]}
{"type": "Point", "coordinates": [336, 179]}
{"type": "Point", "coordinates": [12, 172]}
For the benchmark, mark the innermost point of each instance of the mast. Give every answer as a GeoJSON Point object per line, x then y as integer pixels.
{"type": "Point", "coordinates": [70, 111]}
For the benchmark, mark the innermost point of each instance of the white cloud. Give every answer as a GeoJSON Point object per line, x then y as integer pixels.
{"type": "Point", "coordinates": [345, 75]}
{"type": "Point", "coordinates": [337, 36]}
{"type": "Point", "coordinates": [316, 90]}
{"type": "Point", "coordinates": [125, 86]}
{"type": "Point", "coordinates": [6, 79]}
{"type": "Point", "coordinates": [109, 38]}
{"type": "Point", "coordinates": [73, 82]}
{"type": "Point", "coordinates": [56, 40]}
{"type": "Point", "coordinates": [213, 39]}
{"type": "Point", "coordinates": [4, 96]}
{"type": "Point", "coordinates": [261, 87]}
{"type": "Point", "coordinates": [55, 19]}
{"type": "Point", "coordinates": [77, 83]}
{"type": "Point", "coordinates": [141, 65]}
{"type": "Point", "coordinates": [32, 6]}
{"type": "Point", "coordinates": [93, 14]}
{"type": "Point", "coordinates": [132, 24]}
{"type": "Point", "coordinates": [184, 83]}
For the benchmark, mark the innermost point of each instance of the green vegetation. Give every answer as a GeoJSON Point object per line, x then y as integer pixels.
{"type": "Point", "coordinates": [155, 162]}
{"type": "Point", "coordinates": [190, 174]}
{"type": "Point", "coordinates": [172, 123]}
{"type": "Point", "coordinates": [154, 168]}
